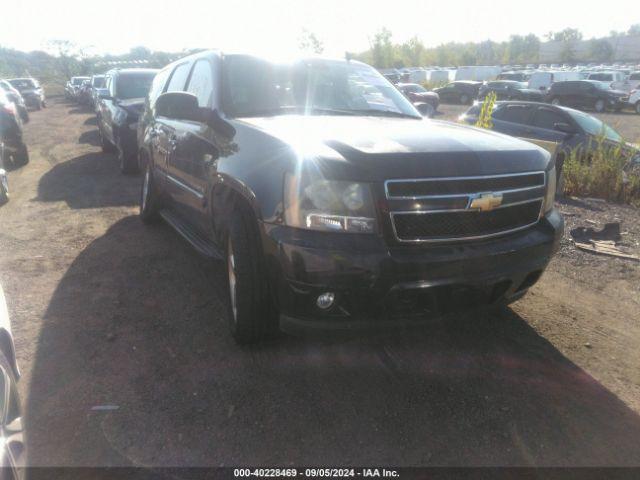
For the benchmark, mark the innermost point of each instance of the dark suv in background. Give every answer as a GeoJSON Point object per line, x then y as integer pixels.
{"type": "Point", "coordinates": [119, 107]}
{"type": "Point", "coordinates": [463, 92]}
{"type": "Point", "coordinates": [510, 90]}
{"type": "Point", "coordinates": [335, 208]}
{"type": "Point", "coordinates": [587, 94]}
{"type": "Point", "coordinates": [31, 91]}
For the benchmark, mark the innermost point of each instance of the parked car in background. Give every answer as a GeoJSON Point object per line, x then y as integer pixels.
{"type": "Point", "coordinates": [331, 212]}
{"type": "Point", "coordinates": [14, 148]}
{"type": "Point", "coordinates": [418, 94]}
{"type": "Point", "coordinates": [515, 76]}
{"type": "Point", "coordinates": [587, 94]}
{"type": "Point", "coordinates": [31, 91]}
{"type": "Point", "coordinates": [14, 96]}
{"type": "Point", "coordinates": [569, 128]}
{"type": "Point", "coordinates": [72, 86]}
{"type": "Point", "coordinates": [118, 112]}
{"type": "Point", "coordinates": [13, 453]}
{"type": "Point", "coordinates": [97, 82]}
{"type": "Point", "coordinates": [542, 80]}
{"type": "Point", "coordinates": [464, 92]}
{"type": "Point", "coordinates": [634, 100]}
{"type": "Point", "coordinates": [84, 93]}
{"type": "Point", "coordinates": [510, 90]}
{"type": "Point", "coordinates": [613, 80]}
{"type": "Point", "coordinates": [634, 81]}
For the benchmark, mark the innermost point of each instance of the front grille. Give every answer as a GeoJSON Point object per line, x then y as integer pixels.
{"type": "Point", "coordinates": [440, 209]}
{"type": "Point", "coordinates": [462, 185]}
{"type": "Point", "coordinates": [460, 224]}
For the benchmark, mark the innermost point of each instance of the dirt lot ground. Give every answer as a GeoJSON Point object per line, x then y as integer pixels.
{"type": "Point", "coordinates": [108, 312]}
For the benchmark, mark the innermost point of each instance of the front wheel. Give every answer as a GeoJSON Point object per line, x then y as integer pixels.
{"type": "Point", "coordinates": [4, 187]}
{"type": "Point", "coordinates": [464, 99]}
{"type": "Point", "coordinates": [21, 157]}
{"type": "Point", "coordinates": [106, 145]}
{"type": "Point", "coordinates": [599, 106]}
{"type": "Point", "coordinates": [252, 316]}
{"type": "Point", "coordinates": [638, 107]}
{"type": "Point", "coordinates": [149, 198]}
{"type": "Point", "coordinates": [556, 101]}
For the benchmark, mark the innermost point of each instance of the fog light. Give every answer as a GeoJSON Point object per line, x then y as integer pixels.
{"type": "Point", "coordinates": [325, 300]}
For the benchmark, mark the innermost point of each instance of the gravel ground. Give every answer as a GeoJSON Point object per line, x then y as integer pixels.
{"type": "Point", "coordinates": [109, 312]}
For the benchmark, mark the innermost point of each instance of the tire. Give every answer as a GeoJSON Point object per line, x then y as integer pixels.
{"type": "Point", "coordinates": [38, 105]}
{"type": "Point", "coordinates": [106, 145]}
{"type": "Point", "coordinates": [599, 106]}
{"type": "Point", "coordinates": [11, 417]}
{"type": "Point", "coordinates": [252, 315]}
{"type": "Point", "coordinates": [464, 99]}
{"type": "Point", "coordinates": [128, 162]}
{"type": "Point", "coordinates": [21, 157]}
{"type": "Point", "coordinates": [149, 198]}
{"type": "Point", "coordinates": [44, 104]}
{"type": "Point", "coordinates": [637, 107]}
{"type": "Point", "coordinates": [4, 188]}
{"type": "Point", "coordinates": [556, 101]}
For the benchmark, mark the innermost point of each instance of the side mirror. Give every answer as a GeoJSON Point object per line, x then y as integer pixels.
{"type": "Point", "coordinates": [425, 109]}
{"type": "Point", "coordinates": [179, 106]}
{"type": "Point", "coordinates": [564, 128]}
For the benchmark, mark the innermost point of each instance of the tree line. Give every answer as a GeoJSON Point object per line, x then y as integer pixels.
{"type": "Point", "coordinates": [62, 59]}
{"type": "Point", "coordinates": [519, 49]}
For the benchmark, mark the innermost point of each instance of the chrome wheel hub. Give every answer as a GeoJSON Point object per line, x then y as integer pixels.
{"type": "Point", "coordinates": [145, 189]}
{"type": "Point", "coordinates": [231, 270]}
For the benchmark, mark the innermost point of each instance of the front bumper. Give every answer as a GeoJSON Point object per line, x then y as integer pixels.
{"type": "Point", "coordinates": [377, 285]}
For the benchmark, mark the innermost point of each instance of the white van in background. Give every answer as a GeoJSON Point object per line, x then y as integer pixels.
{"type": "Point", "coordinates": [543, 80]}
{"type": "Point", "coordinates": [615, 80]}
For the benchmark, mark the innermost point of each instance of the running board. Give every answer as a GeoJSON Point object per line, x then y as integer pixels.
{"type": "Point", "coordinates": [203, 245]}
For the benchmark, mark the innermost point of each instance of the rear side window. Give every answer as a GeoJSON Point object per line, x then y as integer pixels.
{"type": "Point", "coordinates": [513, 113]}
{"type": "Point", "coordinates": [634, 76]}
{"type": "Point", "coordinates": [547, 118]}
{"type": "Point", "coordinates": [179, 78]}
{"type": "Point", "coordinates": [201, 83]}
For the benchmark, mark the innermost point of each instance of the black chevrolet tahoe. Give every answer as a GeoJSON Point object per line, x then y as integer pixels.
{"type": "Point", "coordinates": [119, 105]}
{"type": "Point", "coordinates": [337, 209]}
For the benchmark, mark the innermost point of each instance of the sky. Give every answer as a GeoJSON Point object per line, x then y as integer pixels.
{"type": "Point", "coordinates": [274, 26]}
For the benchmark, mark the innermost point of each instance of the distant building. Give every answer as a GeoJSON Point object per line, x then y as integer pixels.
{"type": "Point", "coordinates": [625, 49]}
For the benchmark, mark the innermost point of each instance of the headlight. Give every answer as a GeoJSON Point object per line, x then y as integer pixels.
{"type": "Point", "coordinates": [550, 195]}
{"type": "Point", "coordinates": [329, 205]}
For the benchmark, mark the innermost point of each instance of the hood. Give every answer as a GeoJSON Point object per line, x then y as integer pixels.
{"type": "Point", "coordinates": [132, 105]}
{"type": "Point", "coordinates": [404, 147]}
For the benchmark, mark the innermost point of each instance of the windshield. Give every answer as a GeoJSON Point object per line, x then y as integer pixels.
{"type": "Point", "coordinates": [594, 126]}
{"type": "Point", "coordinates": [98, 82]}
{"type": "Point", "coordinates": [255, 87]}
{"type": "Point", "coordinates": [134, 85]}
{"type": "Point", "coordinates": [78, 80]}
{"type": "Point", "coordinates": [23, 83]}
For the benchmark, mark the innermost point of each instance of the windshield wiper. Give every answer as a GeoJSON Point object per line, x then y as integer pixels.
{"type": "Point", "coordinates": [288, 110]}
{"type": "Point", "coordinates": [384, 113]}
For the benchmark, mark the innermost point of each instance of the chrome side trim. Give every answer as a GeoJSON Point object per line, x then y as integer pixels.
{"type": "Point", "coordinates": [184, 186]}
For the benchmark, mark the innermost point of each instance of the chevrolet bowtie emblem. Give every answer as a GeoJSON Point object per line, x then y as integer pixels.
{"type": "Point", "coordinates": [486, 202]}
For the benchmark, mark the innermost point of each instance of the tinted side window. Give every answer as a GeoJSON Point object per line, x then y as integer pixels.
{"type": "Point", "coordinates": [158, 85]}
{"type": "Point", "coordinates": [201, 83]}
{"type": "Point", "coordinates": [547, 118]}
{"type": "Point", "coordinates": [179, 78]}
{"type": "Point", "coordinates": [513, 113]}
